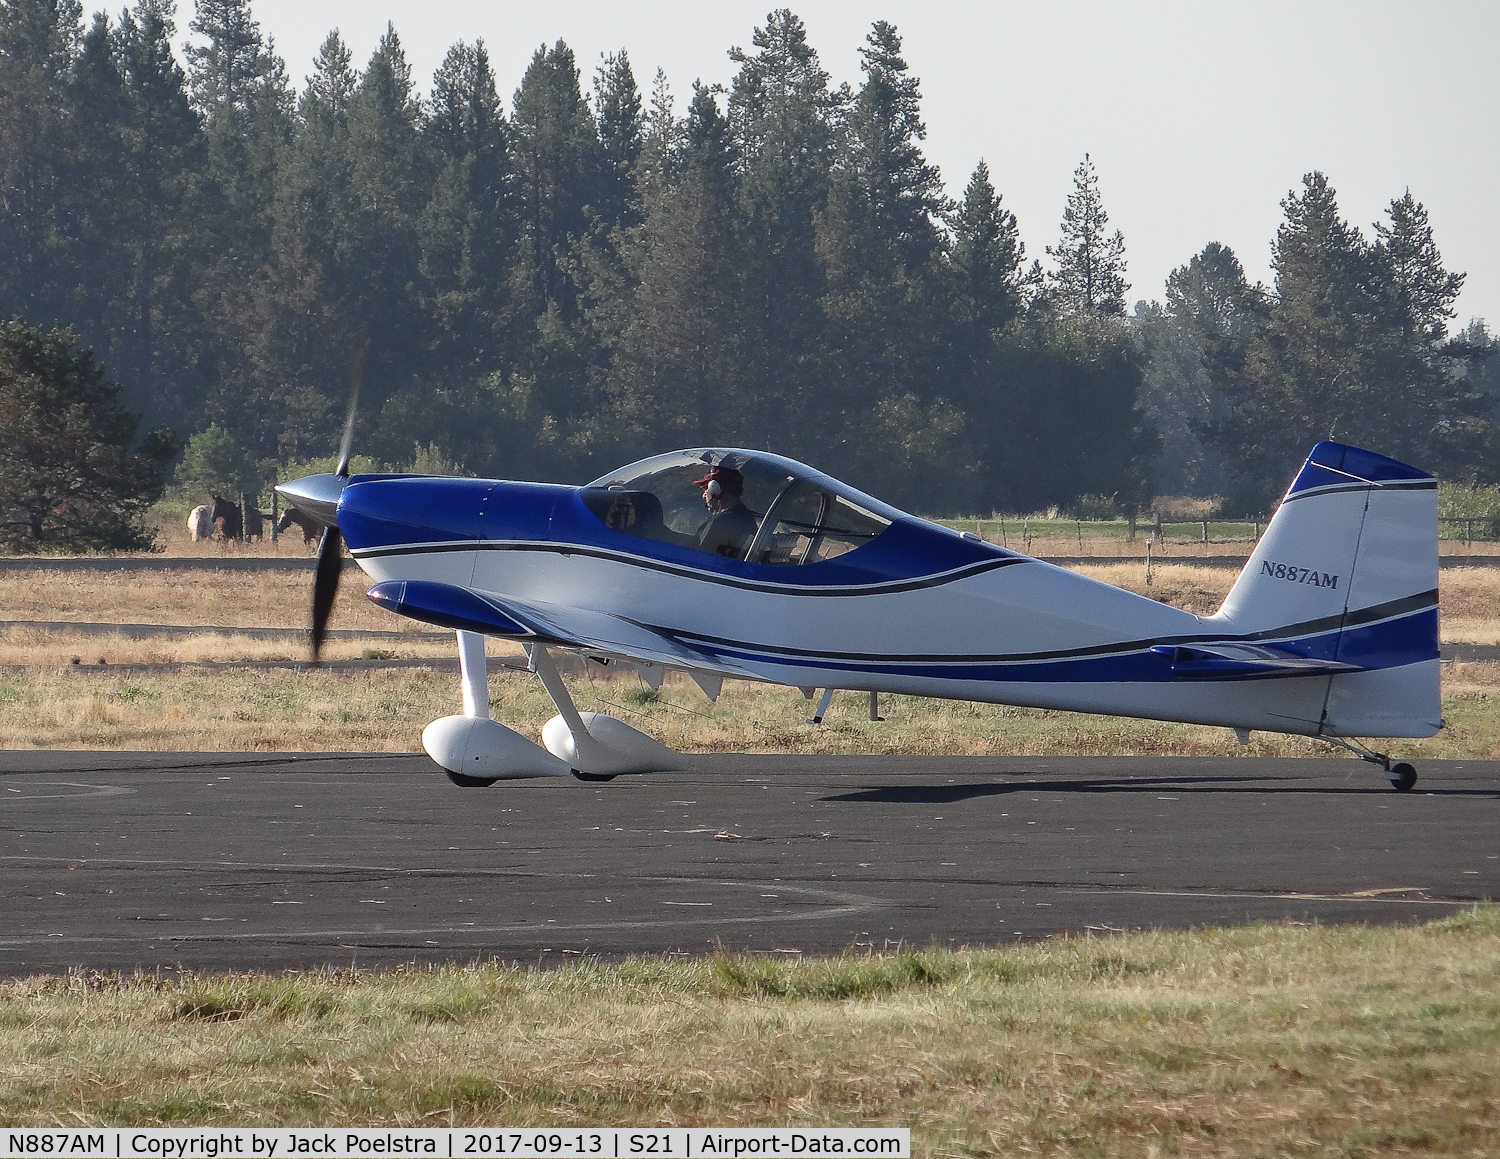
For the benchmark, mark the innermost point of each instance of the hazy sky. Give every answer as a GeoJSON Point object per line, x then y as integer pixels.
{"type": "Point", "coordinates": [1199, 116]}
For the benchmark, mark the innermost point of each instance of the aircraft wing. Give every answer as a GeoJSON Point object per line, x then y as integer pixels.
{"type": "Point", "coordinates": [1236, 661]}
{"type": "Point", "coordinates": [463, 609]}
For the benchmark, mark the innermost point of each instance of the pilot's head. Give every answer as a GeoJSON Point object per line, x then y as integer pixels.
{"type": "Point", "coordinates": [722, 488]}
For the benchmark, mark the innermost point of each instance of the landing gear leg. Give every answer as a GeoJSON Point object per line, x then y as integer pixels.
{"type": "Point", "coordinates": [562, 699]}
{"type": "Point", "coordinates": [1402, 776]}
{"type": "Point", "coordinates": [474, 680]}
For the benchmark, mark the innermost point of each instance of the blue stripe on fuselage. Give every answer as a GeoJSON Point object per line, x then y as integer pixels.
{"type": "Point", "coordinates": [1407, 639]}
{"type": "Point", "coordinates": [427, 514]}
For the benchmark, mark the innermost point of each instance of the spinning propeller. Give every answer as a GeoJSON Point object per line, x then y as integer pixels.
{"type": "Point", "coordinates": [318, 496]}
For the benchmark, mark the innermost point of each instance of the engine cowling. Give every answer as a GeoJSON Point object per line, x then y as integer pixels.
{"type": "Point", "coordinates": [612, 747]}
{"type": "Point", "coordinates": [474, 746]}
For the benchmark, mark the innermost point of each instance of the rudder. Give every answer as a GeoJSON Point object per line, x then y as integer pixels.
{"type": "Point", "coordinates": [1347, 571]}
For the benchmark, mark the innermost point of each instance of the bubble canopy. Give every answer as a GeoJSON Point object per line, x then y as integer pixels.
{"type": "Point", "coordinates": [787, 514]}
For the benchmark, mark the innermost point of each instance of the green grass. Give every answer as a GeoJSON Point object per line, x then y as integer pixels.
{"type": "Point", "coordinates": [1260, 1040]}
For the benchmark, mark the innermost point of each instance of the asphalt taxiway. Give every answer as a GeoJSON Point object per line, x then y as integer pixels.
{"type": "Point", "coordinates": [236, 861]}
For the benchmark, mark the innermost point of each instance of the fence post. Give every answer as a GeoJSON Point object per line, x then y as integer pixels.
{"type": "Point", "coordinates": [275, 512]}
{"type": "Point", "coordinates": [1205, 531]}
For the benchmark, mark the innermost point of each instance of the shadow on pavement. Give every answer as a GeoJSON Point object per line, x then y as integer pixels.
{"type": "Point", "coordinates": [1260, 786]}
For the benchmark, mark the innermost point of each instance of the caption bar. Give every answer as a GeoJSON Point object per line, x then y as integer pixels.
{"type": "Point", "coordinates": [361, 1142]}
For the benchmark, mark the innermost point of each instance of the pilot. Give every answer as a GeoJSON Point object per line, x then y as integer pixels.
{"type": "Point", "coordinates": [730, 526]}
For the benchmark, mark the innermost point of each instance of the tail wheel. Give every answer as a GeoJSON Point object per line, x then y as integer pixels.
{"type": "Point", "coordinates": [466, 782]}
{"type": "Point", "coordinates": [582, 776]}
{"type": "Point", "coordinates": [1402, 777]}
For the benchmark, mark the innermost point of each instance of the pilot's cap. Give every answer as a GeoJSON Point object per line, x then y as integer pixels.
{"type": "Point", "coordinates": [728, 479]}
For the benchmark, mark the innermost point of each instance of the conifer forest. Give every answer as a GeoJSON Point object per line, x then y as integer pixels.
{"type": "Point", "coordinates": [599, 266]}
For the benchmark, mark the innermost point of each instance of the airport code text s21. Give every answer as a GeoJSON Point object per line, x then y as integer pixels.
{"type": "Point", "coordinates": [457, 1142]}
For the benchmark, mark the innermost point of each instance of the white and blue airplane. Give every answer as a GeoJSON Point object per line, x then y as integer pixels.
{"type": "Point", "coordinates": [1331, 630]}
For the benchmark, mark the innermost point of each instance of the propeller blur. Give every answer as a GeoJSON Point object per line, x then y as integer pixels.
{"type": "Point", "coordinates": [741, 564]}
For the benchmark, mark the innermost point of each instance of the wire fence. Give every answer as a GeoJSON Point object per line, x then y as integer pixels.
{"type": "Point", "coordinates": [1479, 530]}
{"type": "Point", "coordinates": [1023, 531]}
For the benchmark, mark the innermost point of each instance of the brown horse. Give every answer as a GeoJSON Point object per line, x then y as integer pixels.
{"type": "Point", "coordinates": [311, 529]}
{"type": "Point", "coordinates": [234, 525]}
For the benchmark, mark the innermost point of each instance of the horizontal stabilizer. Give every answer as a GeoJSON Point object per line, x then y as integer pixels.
{"type": "Point", "coordinates": [1231, 661]}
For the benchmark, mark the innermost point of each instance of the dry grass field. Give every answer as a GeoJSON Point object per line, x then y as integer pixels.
{"type": "Point", "coordinates": [218, 598]}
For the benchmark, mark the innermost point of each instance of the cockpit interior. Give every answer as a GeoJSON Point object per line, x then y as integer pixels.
{"type": "Point", "coordinates": [791, 516]}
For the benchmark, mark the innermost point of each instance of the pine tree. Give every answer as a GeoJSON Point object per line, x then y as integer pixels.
{"type": "Point", "coordinates": [987, 289]}
{"type": "Point", "coordinates": [225, 70]}
{"type": "Point", "coordinates": [879, 241]}
{"type": "Point", "coordinates": [465, 227]}
{"type": "Point", "coordinates": [1424, 374]}
{"type": "Point", "coordinates": [1090, 273]}
{"type": "Point", "coordinates": [1306, 370]}
{"type": "Point", "coordinates": [238, 88]}
{"type": "Point", "coordinates": [1348, 352]}
{"type": "Point", "coordinates": [158, 355]}
{"type": "Point", "coordinates": [985, 259]}
{"type": "Point", "coordinates": [304, 310]}
{"type": "Point", "coordinates": [213, 463]}
{"type": "Point", "coordinates": [94, 203]}
{"type": "Point", "coordinates": [388, 193]}
{"type": "Point", "coordinates": [69, 478]}
{"type": "Point", "coordinates": [464, 118]}
{"type": "Point", "coordinates": [466, 232]}
{"type": "Point", "coordinates": [678, 369]}
{"type": "Point", "coordinates": [780, 118]}
{"type": "Point", "coordinates": [902, 192]}
{"type": "Point", "coordinates": [1210, 295]}
{"type": "Point", "coordinates": [659, 134]}
{"type": "Point", "coordinates": [330, 86]}
{"type": "Point", "coordinates": [1481, 377]}
{"type": "Point", "coordinates": [617, 106]}
{"type": "Point", "coordinates": [1196, 339]}
{"type": "Point", "coordinates": [1419, 290]}
{"type": "Point", "coordinates": [39, 40]}
{"type": "Point", "coordinates": [555, 153]}
{"type": "Point", "coordinates": [1066, 397]}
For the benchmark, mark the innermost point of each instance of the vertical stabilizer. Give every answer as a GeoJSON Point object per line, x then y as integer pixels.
{"type": "Point", "coordinates": [1347, 571]}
